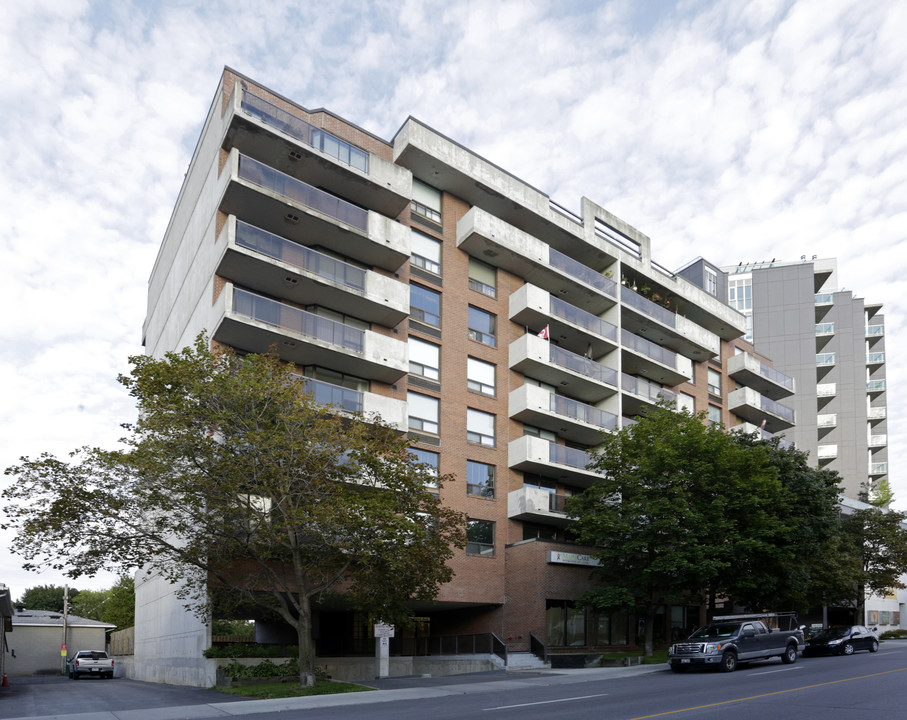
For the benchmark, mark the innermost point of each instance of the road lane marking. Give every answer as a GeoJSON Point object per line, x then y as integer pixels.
{"type": "Point", "coordinates": [764, 695]}
{"type": "Point", "coordinates": [545, 702]}
{"type": "Point", "coordinates": [769, 672]}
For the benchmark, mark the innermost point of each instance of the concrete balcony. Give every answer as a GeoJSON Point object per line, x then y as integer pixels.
{"type": "Point", "coordinates": [643, 357]}
{"type": "Point", "coordinates": [367, 404]}
{"type": "Point", "coordinates": [749, 405]}
{"type": "Point", "coordinates": [254, 323]}
{"type": "Point", "coordinates": [572, 328]}
{"type": "Point", "coordinates": [876, 414]}
{"type": "Point", "coordinates": [827, 421]}
{"type": "Point", "coordinates": [536, 455]}
{"type": "Point", "coordinates": [493, 241]}
{"type": "Point", "coordinates": [641, 316]}
{"type": "Point", "coordinates": [750, 371]}
{"type": "Point", "coordinates": [878, 441]}
{"type": "Point", "coordinates": [577, 376]}
{"type": "Point", "coordinates": [285, 206]}
{"type": "Point", "coordinates": [570, 419]}
{"type": "Point", "coordinates": [639, 392]}
{"type": "Point", "coordinates": [827, 452]}
{"type": "Point", "coordinates": [261, 129]}
{"type": "Point", "coordinates": [259, 260]}
{"type": "Point", "coordinates": [825, 390]}
{"type": "Point", "coordinates": [530, 504]}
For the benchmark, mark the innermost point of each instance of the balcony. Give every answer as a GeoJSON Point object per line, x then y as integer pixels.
{"type": "Point", "coordinates": [875, 359]}
{"type": "Point", "coordinates": [493, 241]}
{"type": "Point", "coordinates": [280, 204]}
{"type": "Point", "coordinates": [639, 392]}
{"type": "Point", "coordinates": [749, 405]}
{"type": "Point", "coordinates": [571, 420]}
{"type": "Point", "coordinates": [874, 387]}
{"type": "Point", "coordinates": [391, 410]}
{"type": "Point", "coordinates": [641, 316]}
{"type": "Point", "coordinates": [825, 390]}
{"type": "Point", "coordinates": [253, 323]}
{"type": "Point", "coordinates": [827, 421]}
{"type": "Point", "coordinates": [268, 263]}
{"type": "Point", "coordinates": [574, 329]}
{"type": "Point", "coordinates": [750, 371]}
{"type": "Point", "coordinates": [536, 455]}
{"type": "Point", "coordinates": [825, 329]}
{"type": "Point", "coordinates": [825, 359]}
{"type": "Point", "coordinates": [576, 376]}
{"type": "Point", "coordinates": [261, 129]}
{"type": "Point", "coordinates": [531, 504]}
{"type": "Point", "coordinates": [827, 452]}
{"type": "Point", "coordinates": [825, 298]}
{"type": "Point", "coordinates": [643, 357]}
{"type": "Point", "coordinates": [877, 413]}
{"type": "Point", "coordinates": [876, 469]}
{"type": "Point", "coordinates": [874, 332]}
{"type": "Point", "coordinates": [878, 441]}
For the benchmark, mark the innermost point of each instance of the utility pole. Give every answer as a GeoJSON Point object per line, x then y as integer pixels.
{"type": "Point", "coordinates": [63, 648]}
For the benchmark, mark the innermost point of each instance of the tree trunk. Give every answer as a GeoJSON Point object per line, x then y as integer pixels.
{"type": "Point", "coordinates": [306, 646]}
{"type": "Point", "coordinates": [651, 614]}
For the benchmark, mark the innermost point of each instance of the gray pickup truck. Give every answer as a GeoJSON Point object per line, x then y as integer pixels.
{"type": "Point", "coordinates": [90, 662]}
{"type": "Point", "coordinates": [732, 639]}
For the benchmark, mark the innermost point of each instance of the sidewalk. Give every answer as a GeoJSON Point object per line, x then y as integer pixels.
{"type": "Point", "coordinates": [387, 690]}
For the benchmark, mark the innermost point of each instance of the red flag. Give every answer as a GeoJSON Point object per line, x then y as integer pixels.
{"type": "Point", "coordinates": [543, 333]}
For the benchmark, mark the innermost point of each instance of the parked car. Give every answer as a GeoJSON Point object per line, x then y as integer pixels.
{"type": "Point", "coordinates": [843, 640]}
{"type": "Point", "coordinates": [89, 662]}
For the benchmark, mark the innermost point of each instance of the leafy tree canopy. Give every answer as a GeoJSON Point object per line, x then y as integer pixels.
{"type": "Point", "coordinates": [115, 605]}
{"type": "Point", "coordinates": [233, 477]}
{"type": "Point", "coordinates": [45, 597]}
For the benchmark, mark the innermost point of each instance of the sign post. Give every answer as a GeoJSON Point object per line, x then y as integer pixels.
{"type": "Point", "coordinates": [383, 634]}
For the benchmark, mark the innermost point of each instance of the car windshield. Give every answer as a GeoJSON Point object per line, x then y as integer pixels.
{"type": "Point", "coordinates": [831, 633]}
{"type": "Point", "coordinates": [720, 630]}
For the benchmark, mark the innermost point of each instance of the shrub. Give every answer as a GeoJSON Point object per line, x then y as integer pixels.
{"type": "Point", "coordinates": [246, 650]}
{"type": "Point", "coordinates": [894, 634]}
{"type": "Point", "coordinates": [264, 669]}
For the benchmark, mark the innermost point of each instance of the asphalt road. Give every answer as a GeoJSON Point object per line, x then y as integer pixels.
{"type": "Point", "coordinates": [859, 687]}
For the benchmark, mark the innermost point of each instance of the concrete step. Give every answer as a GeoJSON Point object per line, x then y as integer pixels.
{"type": "Point", "coordinates": [525, 661]}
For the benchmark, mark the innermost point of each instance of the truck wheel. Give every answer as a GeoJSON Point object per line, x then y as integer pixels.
{"type": "Point", "coordinates": [728, 662]}
{"type": "Point", "coordinates": [790, 655]}
{"type": "Point", "coordinates": [847, 649]}
{"type": "Point", "coordinates": [874, 647]}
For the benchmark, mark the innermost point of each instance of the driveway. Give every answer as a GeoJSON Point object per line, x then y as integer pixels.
{"type": "Point", "coordinates": [37, 695]}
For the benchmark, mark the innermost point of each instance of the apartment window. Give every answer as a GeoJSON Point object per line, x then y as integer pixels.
{"type": "Point", "coordinates": [714, 414]}
{"type": "Point", "coordinates": [539, 532]}
{"type": "Point", "coordinates": [479, 537]}
{"type": "Point", "coordinates": [336, 378]}
{"type": "Point", "coordinates": [423, 413]}
{"type": "Point", "coordinates": [479, 427]}
{"type": "Point", "coordinates": [539, 433]}
{"type": "Point", "coordinates": [482, 278]}
{"type": "Point", "coordinates": [425, 305]}
{"type": "Point", "coordinates": [539, 482]}
{"type": "Point", "coordinates": [740, 293]}
{"type": "Point", "coordinates": [482, 327]}
{"type": "Point", "coordinates": [479, 479]}
{"type": "Point", "coordinates": [424, 359]}
{"type": "Point", "coordinates": [480, 376]}
{"type": "Point", "coordinates": [428, 458]}
{"type": "Point", "coordinates": [714, 382]}
{"type": "Point", "coordinates": [426, 252]}
{"type": "Point", "coordinates": [711, 282]}
{"type": "Point", "coordinates": [686, 402]}
{"type": "Point", "coordinates": [426, 201]}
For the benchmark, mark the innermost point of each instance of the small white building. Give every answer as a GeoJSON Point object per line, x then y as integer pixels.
{"type": "Point", "coordinates": [36, 646]}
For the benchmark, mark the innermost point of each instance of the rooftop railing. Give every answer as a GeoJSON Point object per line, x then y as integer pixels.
{"type": "Point", "coordinates": [290, 318]}
{"type": "Point", "coordinates": [586, 320]}
{"type": "Point", "coordinates": [583, 366]}
{"type": "Point", "coordinates": [299, 256]}
{"type": "Point", "coordinates": [647, 307]}
{"type": "Point", "coordinates": [570, 408]}
{"type": "Point", "coordinates": [584, 273]}
{"type": "Point", "coordinates": [305, 132]}
{"type": "Point", "coordinates": [648, 348]}
{"type": "Point", "coordinates": [302, 193]}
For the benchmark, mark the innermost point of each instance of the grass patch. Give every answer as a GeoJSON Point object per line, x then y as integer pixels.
{"type": "Point", "coordinates": [267, 691]}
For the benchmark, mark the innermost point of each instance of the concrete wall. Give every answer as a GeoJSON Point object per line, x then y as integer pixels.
{"type": "Point", "coordinates": [35, 650]}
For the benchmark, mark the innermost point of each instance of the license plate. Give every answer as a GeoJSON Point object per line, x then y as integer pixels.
{"type": "Point", "coordinates": [94, 669]}
{"type": "Point", "coordinates": [685, 660]}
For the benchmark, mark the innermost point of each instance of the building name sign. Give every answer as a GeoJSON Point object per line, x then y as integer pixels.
{"type": "Point", "coordinates": [570, 558]}
{"type": "Point", "coordinates": [384, 631]}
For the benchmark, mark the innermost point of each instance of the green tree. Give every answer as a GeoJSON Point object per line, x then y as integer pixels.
{"type": "Point", "coordinates": [234, 478]}
{"type": "Point", "coordinates": [679, 504]}
{"type": "Point", "coordinates": [115, 605]}
{"type": "Point", "coordinates": [45, 597]}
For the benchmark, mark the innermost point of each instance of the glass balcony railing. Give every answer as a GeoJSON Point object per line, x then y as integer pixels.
{"type": "Point", "coordinates": [825, 359]}
{"type": "Point", "coordinates": [577, 270]}
{"type": "Point", "coordinates": [563, 455]}
{"type": "Point", "coordinates": [644, 388]}
{"type": "Point", "coordinates": [583, 366]}
{"type": "Point", "coordinates": [290, 318]}
{"type": "Point", "coordinates": [875, 386]}
{"type": "Point", "coordinates": [876, 358]}
{"type": "Point", "coordinates": [557, 503]}
{"type": "Point", "coordinates": [328, 394]}
{"type": "Point", "coordinates": [302, 193]}
{"type": "Point", "coordinates": [648, 348]}
{"type": "Point", "coordinates": [825, 328]}
{"type": "Point", "coordinates": [875, 330]}
{"type": "Point", "coordinates": [776, 408]}
{"type": "Point", "coordinates": [585, 320]}
{"type": "Point", "coordinates": [306, 133]}
{"type": "Point", "coordinates": [647, 307]}
{"type": "Point", "coordinates": [878, 468]}
{"type": "Point", "coordinates": [567, 407]}
{"type": "Point", "coordinates": [299, 256]}
{"type": "Point", "coordinates": [776, 376]}
{"type": "Point", "coordinates": [825, 298]}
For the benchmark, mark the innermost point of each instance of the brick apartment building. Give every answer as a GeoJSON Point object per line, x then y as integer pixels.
{"type": "Point", "coordinates": [414, 278]}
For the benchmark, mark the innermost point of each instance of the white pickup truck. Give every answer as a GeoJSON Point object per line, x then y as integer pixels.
{"type": "Point", "coordinates": [90, 662]}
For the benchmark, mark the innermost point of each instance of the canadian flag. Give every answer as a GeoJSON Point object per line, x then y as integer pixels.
{"type": "Point", "coordinates": [543, 333]}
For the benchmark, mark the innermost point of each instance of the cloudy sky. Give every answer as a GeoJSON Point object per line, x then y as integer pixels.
{"type": "Point", "coordinates": [728, 130]}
